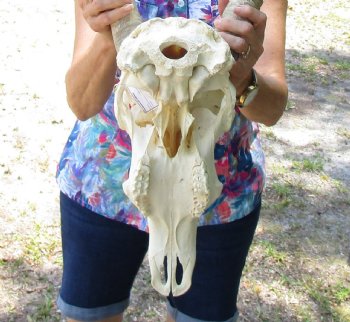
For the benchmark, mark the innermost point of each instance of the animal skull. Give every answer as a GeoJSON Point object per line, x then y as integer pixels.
{"type": "Point", "coordinates": [172, 179]}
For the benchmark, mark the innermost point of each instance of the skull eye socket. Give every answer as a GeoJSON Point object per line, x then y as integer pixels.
{"type": "Point", "coordinates": [174, 51]}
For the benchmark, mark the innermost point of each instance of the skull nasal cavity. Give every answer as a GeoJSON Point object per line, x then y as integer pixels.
{"type": "Point", "coordinates": [172, 141]}
{"type": "Point", "coordinates": [174, 52]}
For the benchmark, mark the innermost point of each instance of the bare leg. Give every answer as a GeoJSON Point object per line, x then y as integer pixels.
{"type": "Point", "coordinates": [169, 318]}
{"type": "Point", "coordinates": [116, 318]}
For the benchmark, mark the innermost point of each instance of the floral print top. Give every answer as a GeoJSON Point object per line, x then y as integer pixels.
{"type": "Point", "coordinates": [96, 159]}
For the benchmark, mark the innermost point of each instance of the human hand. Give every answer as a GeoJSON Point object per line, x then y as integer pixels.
{"type": "Point", "coordinates": [100, 14]}
{"type": "Point", "coordinates": [244, 32]}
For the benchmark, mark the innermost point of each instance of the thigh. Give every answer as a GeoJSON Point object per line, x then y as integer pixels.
{"type": "Point", "coordinates": [101, 257]}
{"type": "Point", "coordinates": [220, 258]}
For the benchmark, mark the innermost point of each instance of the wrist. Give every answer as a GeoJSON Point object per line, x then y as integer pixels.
{"type": "Point", "coordinates": [248, 94]}
{"type": "Point", "coordinates": [242, 82]}
{"type": "Point", "coordinates": [104, 41]}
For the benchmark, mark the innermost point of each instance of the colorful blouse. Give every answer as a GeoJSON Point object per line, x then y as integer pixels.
{"type": "Point", "coordinates": [96, 159]}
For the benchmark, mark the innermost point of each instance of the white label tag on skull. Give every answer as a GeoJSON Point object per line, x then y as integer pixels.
{"type": "Point", "coordinates": [143, 99]}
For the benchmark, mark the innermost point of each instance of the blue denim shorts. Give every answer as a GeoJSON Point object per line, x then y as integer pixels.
{"type": "Point", "coordinates": [101, 258]}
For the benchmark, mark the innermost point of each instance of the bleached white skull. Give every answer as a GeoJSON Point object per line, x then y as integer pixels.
{"type": "Point", "coordinates": [181, 67]}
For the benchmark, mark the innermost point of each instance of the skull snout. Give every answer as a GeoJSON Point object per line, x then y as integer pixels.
{"type": "Point", "coordinates": [173, 262]}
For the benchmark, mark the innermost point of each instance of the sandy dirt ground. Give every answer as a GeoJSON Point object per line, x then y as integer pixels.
{"type": "Point", "coordinates": [298, 267]}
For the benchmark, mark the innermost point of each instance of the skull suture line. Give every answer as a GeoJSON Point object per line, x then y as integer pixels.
{"type": "Point", "coordinates": [183, 64]}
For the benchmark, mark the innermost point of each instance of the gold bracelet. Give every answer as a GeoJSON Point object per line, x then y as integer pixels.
{"type": "Point", "coordinates": [249, 93]}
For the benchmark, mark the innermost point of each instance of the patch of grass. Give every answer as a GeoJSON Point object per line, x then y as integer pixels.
{"type": "Point", "coordinates": [317, 293]}
{"type": "Point", "coordinates": [275, 315]}
{"type": "Point", "coordinates": [288, 280]}
{"type": "Point", "coordinates": [19, 144]}
{"type": "Point", "coordinates": [12, 264]}
{"type": "Point", "coordinates": [337, 184]}
{"type": "Point", "coordinates": [32, 206]}
{"type": "Point", "coordinates": [283, 190]}
{"type": "Point", "coordinates": [256, 288]}
{"type": "Point", "coordinates": [23, 213]}
{"type": "Point", "coordinates": [325, 177]}
{"type": "Point", "coordinates": [310, 67]}
{"type": "Point", "coordinates": [305, 69]}
{"type": "Point", "coordinates": [343, 311]}
{"type": "Point", "coordinates": [342, 65]}
{"type": "Point", "coordinates": [44, 309]}
{"type": "Point", "coordinates": [327, 297]}
{"type": "Point", "coordinates": [340, 186]}
{"type": "Point", "coordinates": [290, 105]}
{"type": "Point", "coordinates": [44, 165]}
{"type": "Point", "coordinates": [341, 293]}
{"type": "Point", "coordinates": [279, 169]}
{"type": "Point", "coordinates": [346, 36]}
{"type": "Point", "coordinates": [272, 252]}
{"type": "Point", "coordinates": [307, 66]}
{"type": "Point", "coordinates": [33, 250]}
{"type": "Point", "coordinates": [282, 204]}
{"type": "Point", "coordinates": [40, 245]}
{"type": "Point", "coordinates": [269, 134]}
{"type": "Point", "coordinates": [305, 315]}
{"type": "Point", "coordinates": [343, 132]}
{"type": "Point", "coordinates": [8, 171]}
{"type": "Point", "coordinates": [315, 164]}
{"type": "Point", "coordinates": [341, 68]}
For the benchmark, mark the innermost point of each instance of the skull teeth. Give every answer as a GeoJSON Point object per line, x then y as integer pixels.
{"type": "Point", "coordinates": [200, 189]}
{"type": "Point", "coordinates": [140, 187]}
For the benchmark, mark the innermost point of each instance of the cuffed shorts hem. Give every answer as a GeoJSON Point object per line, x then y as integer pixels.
{"type": "Point", "coordinates": [178, 316]}
{"type": "Point", "coordinates": [91, 314]}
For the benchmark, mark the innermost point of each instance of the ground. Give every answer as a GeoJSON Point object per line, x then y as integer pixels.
{"type": "Point", "coordinates": [298, 267]}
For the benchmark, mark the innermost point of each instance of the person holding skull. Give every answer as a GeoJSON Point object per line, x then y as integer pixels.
{"type": "Point", "coordinates": [104, 236]}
